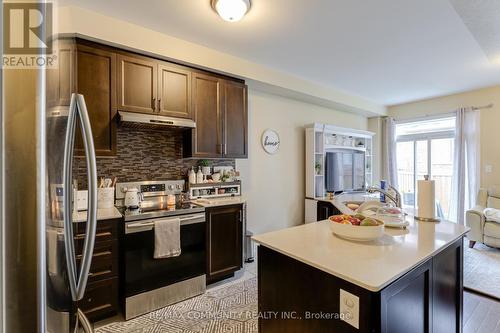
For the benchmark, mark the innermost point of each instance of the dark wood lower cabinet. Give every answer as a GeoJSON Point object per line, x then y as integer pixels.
{"type": "Point", "coordinates": [325, 209]}
{"type": "Point", "coordinates": [426, 299]}
{"type": "Point", "coordinates": [101, 299]}
{"type": "Point", "coordinates": [224, 241]}
{"type": "Point", "coordinates": [447, 286]}
{"type": "Point", "coordinates": [405, 305]}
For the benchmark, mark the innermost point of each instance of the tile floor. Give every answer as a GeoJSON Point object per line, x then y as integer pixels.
{"type": "Point", "coordinates": [227, 306]}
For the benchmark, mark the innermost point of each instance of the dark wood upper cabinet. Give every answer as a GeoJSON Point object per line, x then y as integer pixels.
{"type": "Point", "coordinates": [206, 104]}
{"type": "Point", "coordinates": [61, 80]}
{"type": "Point", "coordinates": [235, 120]}
{"type": "Point", "coordinates": [137, 84]}
{"type": "Point", "coordinates": [111, 80]}
{"type": "Point", "coordinates": [220, 113]}
{"type": "Point", "coordinates": [174, 91]}
{"type": "Point", "coordinates": [95, 80]}
{"type": "Point", "coordinates": [224, 241]}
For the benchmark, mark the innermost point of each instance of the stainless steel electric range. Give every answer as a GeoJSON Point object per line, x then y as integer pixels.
{"type": "Point", "coordinates": [147, 283]}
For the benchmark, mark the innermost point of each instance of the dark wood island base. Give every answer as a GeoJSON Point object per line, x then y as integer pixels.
{"type": "Point", "coordinates": [297, 298]}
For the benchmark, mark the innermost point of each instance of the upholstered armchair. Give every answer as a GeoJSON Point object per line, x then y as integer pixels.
{"type": "Point", "coordinates": [482, 229]}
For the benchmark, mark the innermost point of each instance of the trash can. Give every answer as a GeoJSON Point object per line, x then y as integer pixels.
{"type": "Point", "coordinates": [249, 256]}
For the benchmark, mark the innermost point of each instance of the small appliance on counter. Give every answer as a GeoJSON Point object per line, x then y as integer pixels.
{"type": "Point", "coordinates": [133, 198]}
{"type": "Point", "coordinates": [215, 190]}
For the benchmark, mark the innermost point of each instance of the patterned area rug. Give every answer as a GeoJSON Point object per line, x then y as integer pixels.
{"type": "Point", "coordinates": [482, 269]}
{"type": "Point", "coordinates": [231, 308]}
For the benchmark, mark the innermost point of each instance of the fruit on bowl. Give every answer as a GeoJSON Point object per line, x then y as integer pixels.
{"type": "Point", "coordinates": [370, 222]}
{"type": "Point", "coordinates": [357, 227]}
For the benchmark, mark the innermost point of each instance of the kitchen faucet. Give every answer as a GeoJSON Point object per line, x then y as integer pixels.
{"type": "Point", "coordinates": [395, 199]}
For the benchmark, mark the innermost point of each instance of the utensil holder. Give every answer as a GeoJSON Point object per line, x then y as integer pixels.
{"type": "Point", "coordinates": [106, 197]}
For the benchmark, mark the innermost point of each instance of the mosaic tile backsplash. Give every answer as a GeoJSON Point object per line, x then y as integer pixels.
{"type": "Point", "coordinates": [144, 155]}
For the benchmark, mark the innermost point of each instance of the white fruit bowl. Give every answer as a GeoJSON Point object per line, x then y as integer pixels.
{"type": "Point", "coordinates": [357, 232]}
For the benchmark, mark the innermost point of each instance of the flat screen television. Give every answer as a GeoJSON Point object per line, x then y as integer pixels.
{"type": "Point", "coordinates": [345, 171]}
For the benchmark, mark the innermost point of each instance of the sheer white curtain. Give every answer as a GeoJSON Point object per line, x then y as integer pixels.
{"type": "Point", "coordinates": [466, 162]}
{"type": "Point", "coordinates": [390, 171]}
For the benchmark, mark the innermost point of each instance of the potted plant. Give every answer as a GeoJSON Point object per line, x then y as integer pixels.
{"type": "Point", "coordinates": [205, 167]}
{"type": "Point", "coordinates": [317, 167]}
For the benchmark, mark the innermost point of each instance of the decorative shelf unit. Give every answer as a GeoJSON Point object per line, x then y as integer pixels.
{"type": "Point", "coordinates": [321, 138]}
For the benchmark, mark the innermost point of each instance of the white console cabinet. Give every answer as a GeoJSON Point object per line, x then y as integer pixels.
{"type": "Point", "coordinates": [322, 137]}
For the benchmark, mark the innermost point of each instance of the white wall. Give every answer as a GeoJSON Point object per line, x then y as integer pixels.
{"type": "Point", "coordinates": [274, 185]}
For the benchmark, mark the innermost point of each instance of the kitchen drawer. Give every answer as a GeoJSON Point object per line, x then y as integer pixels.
{"type": "Point", "coordinates": [106, 231]}
{"type": "Point", "coordinates": [100, 300]}
{"type": "Point", "coordinates": [104, 261]}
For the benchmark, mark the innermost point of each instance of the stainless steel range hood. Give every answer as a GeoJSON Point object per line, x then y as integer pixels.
{"type": "Point", "coordinates": [141, 120]}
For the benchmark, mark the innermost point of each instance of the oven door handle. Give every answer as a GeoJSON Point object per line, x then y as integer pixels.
{"type": "Point", "coordinates": [184, 221]}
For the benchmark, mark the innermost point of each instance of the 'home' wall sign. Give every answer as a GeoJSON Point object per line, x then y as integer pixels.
{"type": "Point", "coordinates": [270, 141]}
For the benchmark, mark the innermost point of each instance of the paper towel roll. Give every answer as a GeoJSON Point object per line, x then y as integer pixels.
{"type": "Point", "coordinates": [426, 199]}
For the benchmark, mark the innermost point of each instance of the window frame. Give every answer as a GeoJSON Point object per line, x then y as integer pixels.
{"type": "Point", "coordinates": [427, 137]}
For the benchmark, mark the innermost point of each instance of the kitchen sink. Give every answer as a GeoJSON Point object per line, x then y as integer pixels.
{"type": "Point", "coordinates": [364, 207]}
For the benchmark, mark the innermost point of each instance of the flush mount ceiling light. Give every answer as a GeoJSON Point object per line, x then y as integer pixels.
{"type": "Point", "coordinates": [231, 10]}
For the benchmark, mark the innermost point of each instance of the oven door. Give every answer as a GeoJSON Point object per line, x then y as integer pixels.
{"type": "Point", "coordinates": [143, 273]}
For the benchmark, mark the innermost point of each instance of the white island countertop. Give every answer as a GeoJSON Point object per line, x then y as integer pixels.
{"type": "Point", "coordinates": [371, 265]}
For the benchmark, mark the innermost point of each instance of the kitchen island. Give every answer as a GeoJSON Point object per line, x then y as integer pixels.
{"type": "Point", "coordinates": [410, 280]}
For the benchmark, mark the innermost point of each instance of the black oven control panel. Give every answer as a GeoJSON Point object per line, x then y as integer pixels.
{"type": "Point", "coordinates": [153, 188]}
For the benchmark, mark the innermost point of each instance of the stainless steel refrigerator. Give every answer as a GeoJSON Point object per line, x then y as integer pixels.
{"type": "Point", "coordinates": [41, 277]}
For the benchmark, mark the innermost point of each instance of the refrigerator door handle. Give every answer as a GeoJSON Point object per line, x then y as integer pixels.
{"type": "Point", "coordinates": [69, 245]}
{"type": "Point", "coordinates": [81, 319]}
{"type": "Point", "coordinates": [88, 245]}
{"type": "Point", "coordinates": [78, 283]}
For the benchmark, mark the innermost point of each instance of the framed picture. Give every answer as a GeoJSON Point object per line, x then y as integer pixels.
{"type": "Point", "coordinates": [270, 141]}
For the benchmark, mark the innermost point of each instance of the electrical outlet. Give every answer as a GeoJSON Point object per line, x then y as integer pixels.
{"type": "Point", "coordinates": [81, 200]}
{"type": "Point", "coordinates": [349, 308]}
{"type": "Point", "coordinates": [488, 168]}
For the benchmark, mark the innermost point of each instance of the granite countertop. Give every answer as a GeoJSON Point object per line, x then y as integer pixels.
{"type": "Point", "coordinates": [371, 265]}
{"type": "Point", "coordinates": [102, 214]}
{"type": "Point", "coordinates": [213, 202]}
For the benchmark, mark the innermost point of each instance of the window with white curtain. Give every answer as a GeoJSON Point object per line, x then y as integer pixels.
{"type": "Point", "coordinates": [425, 147]}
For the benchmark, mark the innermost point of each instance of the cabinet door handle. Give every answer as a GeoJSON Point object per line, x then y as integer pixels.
{"type": "Point", "coordinates": [154, 104]}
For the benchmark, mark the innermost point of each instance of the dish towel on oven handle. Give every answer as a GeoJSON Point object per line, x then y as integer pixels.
{"type": "Point", "coordinates": [167, 238]}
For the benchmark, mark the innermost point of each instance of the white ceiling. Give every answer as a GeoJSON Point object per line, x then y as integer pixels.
{"type": "Point", "coordinates": [389, 51]}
